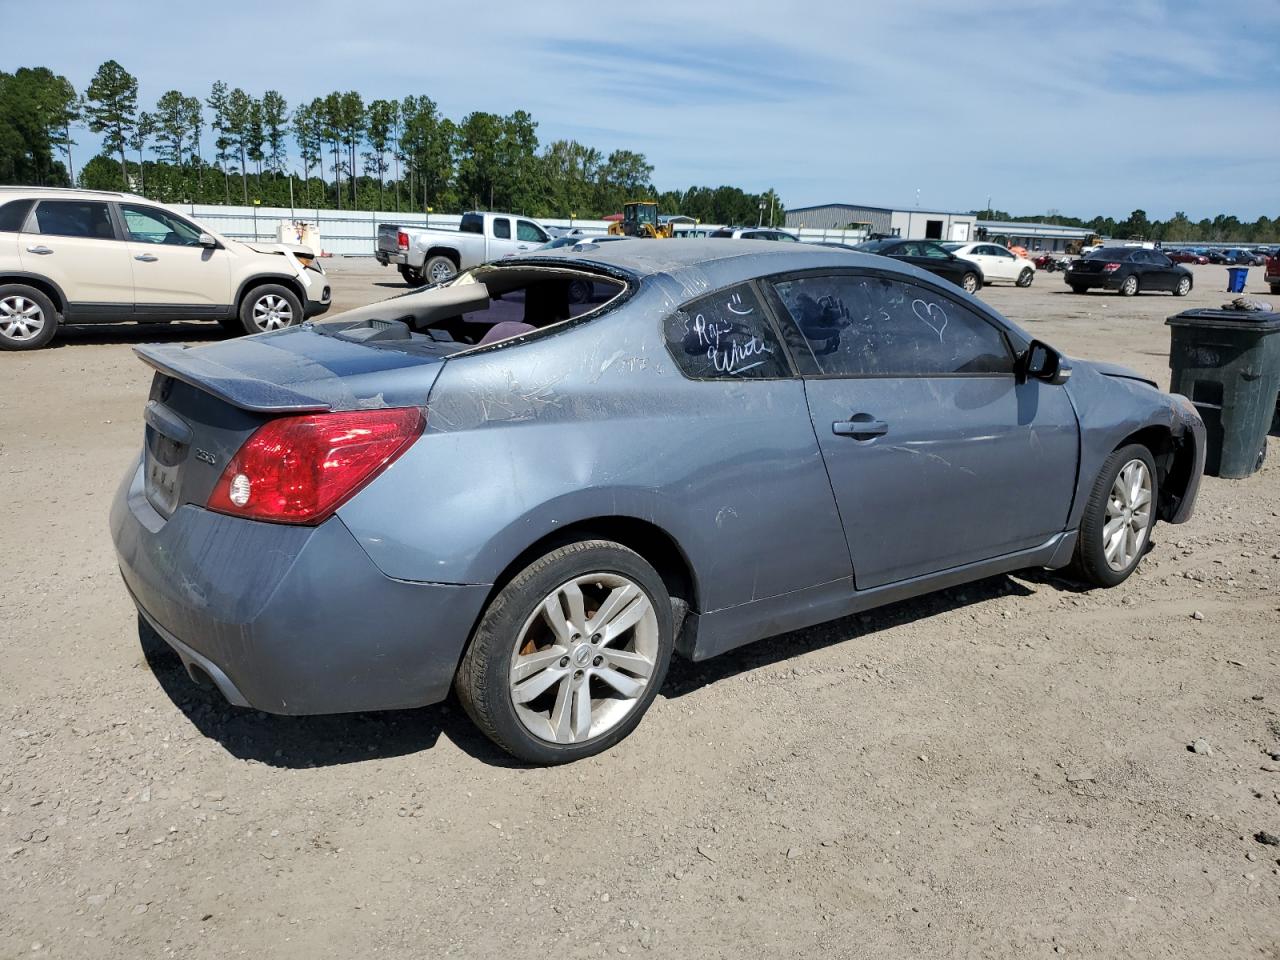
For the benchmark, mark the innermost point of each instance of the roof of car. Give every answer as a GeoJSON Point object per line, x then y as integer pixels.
{"type": "Point", "coordinates": [67, 193]}
{"type": "Point", "coordinates": [682, 258]}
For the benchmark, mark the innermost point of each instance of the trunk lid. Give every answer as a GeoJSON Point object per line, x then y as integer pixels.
{"type": "Point", "coordinates": [206, 401]}
{"type": "Point", "coordinates": [1090, 265]}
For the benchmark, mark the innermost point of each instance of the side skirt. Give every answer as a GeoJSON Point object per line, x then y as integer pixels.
{"type": "Point", "coordinates": [710, 634]}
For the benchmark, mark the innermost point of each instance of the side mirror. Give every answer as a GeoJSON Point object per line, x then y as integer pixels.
{"type": "Point", "coordinates": [1042, 362]}
{"type": "Point", "coordinates": [207, 240]}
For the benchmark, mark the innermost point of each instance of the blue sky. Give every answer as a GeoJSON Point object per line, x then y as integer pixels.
{"type": "Point", "coordinates": [1080, 106]}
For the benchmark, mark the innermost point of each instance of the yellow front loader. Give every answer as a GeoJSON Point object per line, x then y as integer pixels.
{"type": "Point", "coordinates": [640, 219]}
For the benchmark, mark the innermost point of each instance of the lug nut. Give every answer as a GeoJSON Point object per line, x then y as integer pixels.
{"type": "Point", "coordinates": [576, 637]}
{"type": "Point", "coordinates": [564, 661]}
{"type": "Point", "coordinates": [597, 661]}
{"type": "Point", "coordinates": [595, 638]}
{"type": "Point", "coordinates": [577, 674]}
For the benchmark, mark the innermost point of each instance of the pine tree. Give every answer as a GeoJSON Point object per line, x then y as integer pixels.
{"type": "Point", "coordinates": [111, 108]}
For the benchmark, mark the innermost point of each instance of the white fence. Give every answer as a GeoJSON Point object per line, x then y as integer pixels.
{"type": "Point", "coordinates": [351, 233]}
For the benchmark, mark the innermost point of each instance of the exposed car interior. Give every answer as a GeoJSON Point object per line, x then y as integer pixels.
{"type": "Point", "coordinates": [479, 308]}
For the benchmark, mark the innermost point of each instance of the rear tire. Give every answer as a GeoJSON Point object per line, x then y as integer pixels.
{"type": "Point", "coordinates": [28, 318]}
{"type": "Point", "coordinates": [511, 681]}
{"type": "Point", "coordinates": [1110, 512]}
{"type": "Point", "coordinates": [1275, 289]}
{"type": "Point", "coordinates": [1026, 276]}
{"type": "Point", "coordinates": [971, 283]}
{"type": "Point", "coordinates": [1129, 286]}
{"type": "Point", "coordinates": [269, 307]}
{"type": "Point", "coordinates": [1079, 288]}
{"type": "Point", "coordinates": [438, 269]}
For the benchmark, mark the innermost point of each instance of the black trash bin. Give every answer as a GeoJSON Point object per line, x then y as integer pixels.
{"type": "Point", "coordinates": [1228, 363]}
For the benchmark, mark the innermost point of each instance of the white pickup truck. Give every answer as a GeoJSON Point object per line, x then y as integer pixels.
{"type": "Point", "coordinates": [424, 255]}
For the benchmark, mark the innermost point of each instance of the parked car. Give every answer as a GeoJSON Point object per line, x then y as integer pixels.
{"type": "Point", "coordinates": [85, 256]}
{"type": "Point", "coordinates": [1272, 275]}
{"type": "Point", "coordinates": [1128, 270]}
{"type": "Point", "coordinates": [753, 233]}
{"type": "Point", "coordinates": [929, 255]}
{"type": "Point", "coordinates": [428, 255]}
{"type": "Point", "coordinates": [996, 262]}
{"type": "Point", "coordinates": [728, 448]}
{"type": "Point", "coordinates": [1244, 258]}
{"type": "Point", "coordinates": [1186, 256]}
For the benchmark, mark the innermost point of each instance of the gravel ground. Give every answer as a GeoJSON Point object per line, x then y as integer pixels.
{"type": "Point", "coordinates": [999, 770]}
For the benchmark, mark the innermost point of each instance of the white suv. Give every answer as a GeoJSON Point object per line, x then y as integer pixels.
{"type": "Point", "coordinates": [84, 256]}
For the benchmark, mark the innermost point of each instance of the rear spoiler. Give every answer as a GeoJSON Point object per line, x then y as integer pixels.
{"type": "Point", "coordinates": [236, 387]}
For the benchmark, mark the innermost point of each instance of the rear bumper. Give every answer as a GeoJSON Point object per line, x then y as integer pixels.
{"type": "Point", "coordinates": [289, 620]}
{"type": "Point", "coordinates": [385, 258]}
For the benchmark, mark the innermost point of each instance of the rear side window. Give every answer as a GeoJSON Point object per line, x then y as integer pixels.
{"type": "Point", "coordinates": [14, 214]}
{"type": "Point", "coordinates": [471, 223]}
{"type": "Point", "coordinates": [861, 326]}
{"type": "Point", "coordinates": [725, 336]}
{"type": "Point", "coordinates": [74, 218]}
{"type": "Point", "coordinates": [502, 229]}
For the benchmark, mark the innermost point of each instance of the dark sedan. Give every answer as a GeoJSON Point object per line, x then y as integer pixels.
{"type": "Point", "coordinates": [931, 256]}
{"type": "Point", "coordinates": [1128, 270]}
{"type": "Point", "coordinates": [744, 439]}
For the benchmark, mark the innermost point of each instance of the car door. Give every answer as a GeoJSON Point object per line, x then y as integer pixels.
{"type": "Point", "coordinates": [1004, 265]}
{"type": "Point", "coordinates": [1164, 268]}
{"type": "Point", "coordinates": [76, 245]}
{"type": "Point", "coordinates": [529, 235]}
{"type": "Point", "coordinates": [503, 243]}
{"type": "Point", "coordinates": [937, 453]}
{"type": "Point", "coordinates": [173, 275]}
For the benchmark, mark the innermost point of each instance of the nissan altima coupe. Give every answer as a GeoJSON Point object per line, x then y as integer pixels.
{"type": "Point", "coordinates": [483, 486]}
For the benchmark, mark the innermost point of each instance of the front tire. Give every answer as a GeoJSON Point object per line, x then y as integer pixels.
{"type": "Point", "coordinates": [28, 318]}
{"type": "Point", "coordinates": [971, 283]}
{"type": "Point", "coordinates": [1129, 286]}
{"type": "Point", "coordinates": [1026, 276]}
{"type": "Point", "coordinates": [1183, 287]}
{"type": "Point", "coordinates": [269, 307]}
{"type": "Point", "coordinates": [1118, 518]}
{"type": "Point", "coordinates": [1078, 288]}
{"type": "Point", "coordinates": [570, 653]}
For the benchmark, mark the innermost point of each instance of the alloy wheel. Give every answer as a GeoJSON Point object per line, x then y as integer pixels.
{"type": "Point", "coordinates": [1128, 516]}
{"type": "Point", "coordinates": [583, 658]}
{"type": "Point", "coordinates": [440, 271]}
{"type": "Point", "coordinates": [969, 283]}
{"type": "Point", "coordinates": [272, 312]}
{"type": "Point", "coordinates": [21, 318]}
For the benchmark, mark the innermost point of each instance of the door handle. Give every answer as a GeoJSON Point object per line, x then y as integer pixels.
{"type": "Point", "coordinates": [146, 258]}
{"type": "Point", "coordinates": [40, 249]}
{"type": "Point", "coordinates": [860, 427]}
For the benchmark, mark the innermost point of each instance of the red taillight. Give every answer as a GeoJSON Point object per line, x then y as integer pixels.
{"type": "Point", "coordinates": [1111, 267]}
{"type": "Point", "coordinates": [300, 469]}
{"type": "Point", "coordinates": [402, 240]}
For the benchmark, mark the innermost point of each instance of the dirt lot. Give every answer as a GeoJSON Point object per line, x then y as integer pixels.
{"type": "Point", "coordinates": [1000, 770]}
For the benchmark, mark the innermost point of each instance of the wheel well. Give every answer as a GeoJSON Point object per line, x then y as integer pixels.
{"type": "Point", "coordinates": [650, 541]}
{"type": "Point", "coordinates": [1174, 459]}
{"type": "Point", "coordinates": [44, 286]}
{"type": "Point", "coordinates": [255, 282]}
{"type": "Point", "coordinates": [442, 252]}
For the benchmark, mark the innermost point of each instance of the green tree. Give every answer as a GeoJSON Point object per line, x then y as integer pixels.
{"type": "Point", "coordinates": [307, 133]}
{"type": "Point", "coordinates": [194, 116]}
{"type": "Point", "coordinates": [111, 109]}
{"type": "Point", "coordinates": [143, 129]}
{"type": "Point", "coordinates": [218, 103]}
{"type": "Point", "coordinates": [430, 144]}
{"type": "Point", "coordinates": [351, 121]}
{"type": "Point", "coordinates": [238, 120]}
{"type": "Point", "coordinates": [380, 119]}
{"type": "Point", "coordinates": [275, 121]}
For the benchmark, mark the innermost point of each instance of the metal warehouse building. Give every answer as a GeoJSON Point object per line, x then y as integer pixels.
{"type": "Point", "coordinates": [886, 221]}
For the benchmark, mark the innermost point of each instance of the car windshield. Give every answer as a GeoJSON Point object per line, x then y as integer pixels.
{"type": "Point", "coordinates": [560, 242]}
{"type": "Point", "coordinates": [875, 246]}
{"type": "Point", "coordinates": [954, 246]}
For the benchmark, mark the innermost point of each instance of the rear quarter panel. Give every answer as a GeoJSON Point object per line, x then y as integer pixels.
{"type": "Point", "coordinates": [596, 421]}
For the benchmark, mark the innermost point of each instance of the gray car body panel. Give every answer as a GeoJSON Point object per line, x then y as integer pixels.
{"type": "Point", "coordinates": [589, 421]}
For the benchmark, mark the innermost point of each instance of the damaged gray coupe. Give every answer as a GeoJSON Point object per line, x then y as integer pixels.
{"type": "Point", "coordinates": [488, 487]}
